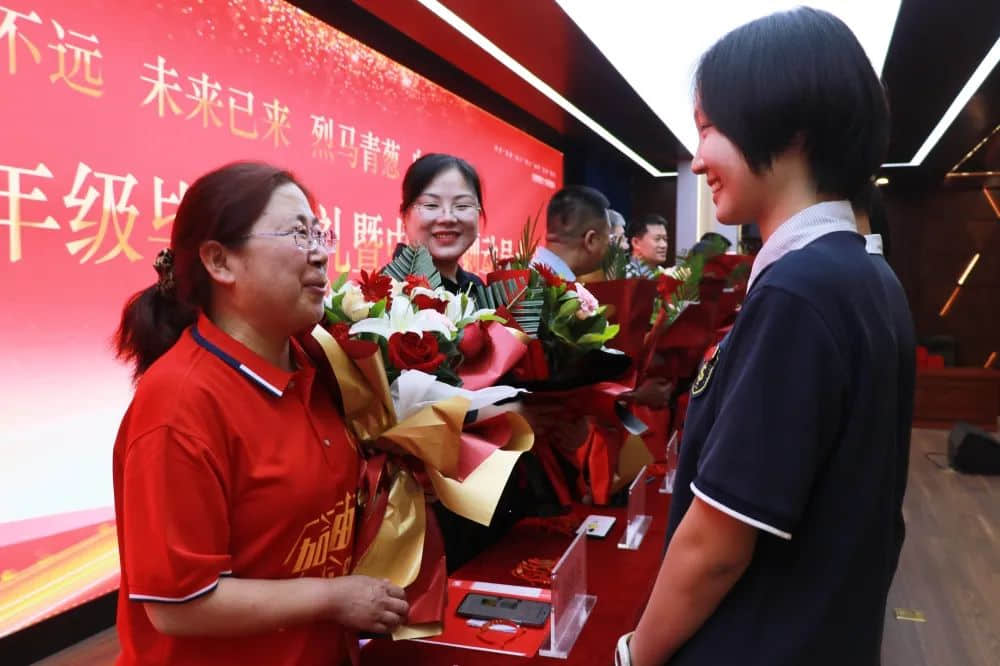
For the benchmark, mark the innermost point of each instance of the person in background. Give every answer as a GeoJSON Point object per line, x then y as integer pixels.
{"type": "Point", "coordinates": [576, 232]}
{"type": "Point", "coordinates": [442, 208]}
{"type": "Point", "coordinates": [235, 478]}
{"type": "Point", "coordinates": [786, 521]}
{"type": "Point", "coordinates": [710, 244]}
{"type": "Point", "coordinates": [617, 225]}
{"type": "Point", "coordinates": [647, 238]}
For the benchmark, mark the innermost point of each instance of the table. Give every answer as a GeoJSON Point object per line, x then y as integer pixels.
{"type": "Point", "coordinates": [621, 580]}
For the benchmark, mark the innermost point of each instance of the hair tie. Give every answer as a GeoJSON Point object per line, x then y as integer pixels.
{"type": "Point", "coordinates": [164, 265]}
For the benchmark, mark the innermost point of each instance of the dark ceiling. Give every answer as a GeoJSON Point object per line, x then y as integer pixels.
{"type": "Point", "coordinates": [935, 47]}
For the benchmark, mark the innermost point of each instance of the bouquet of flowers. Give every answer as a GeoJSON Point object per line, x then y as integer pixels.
{"type": "Point", "coordinates": [564, 322]}
{"type": "Point", "coordinates": [415, 368]}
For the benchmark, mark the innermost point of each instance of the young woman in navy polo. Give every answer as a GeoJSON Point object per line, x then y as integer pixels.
{"type": "Point", "coordinates": [785, 526]}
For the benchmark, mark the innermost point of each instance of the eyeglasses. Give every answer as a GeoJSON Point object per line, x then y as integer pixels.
{"type": "Point", "coordinates": [430, 210]}
{"type": "Point", "coordinates": [304, 240]}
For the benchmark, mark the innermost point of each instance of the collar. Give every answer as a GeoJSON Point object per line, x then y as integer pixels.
{"type": "Point", "coordinates": [241, 358]}
{"type": "Point", "coordinates": [544, 255]}
{"type": "Point", "coordinates": [873, 243]}
{"type": "Point", "coordinates": [463, 279]}
{"type": "Point", "coordinates": [639, 267]}
{"type": "Point", "coordinates": [802, 229]}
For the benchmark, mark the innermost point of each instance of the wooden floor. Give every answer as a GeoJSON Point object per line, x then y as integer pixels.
{"type": "Point", "coordinates": [950, 565]}
{"type": "Point", "coordinates": [949, 571]}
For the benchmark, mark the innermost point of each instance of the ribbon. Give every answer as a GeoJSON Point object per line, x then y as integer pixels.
{"type": "Point", "coordinates": [398, 537]}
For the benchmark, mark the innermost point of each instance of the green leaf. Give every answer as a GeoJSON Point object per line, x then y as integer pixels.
{"type": "Point", "coordinates": [526, 247]}
{"type": "Point", "coordinates": [413, 260]}
{"type": "Point", "coordinates": [340, 282]}
{"type": "Point", "coordinates": [615, 261]}
{"type": "Point", "coordinates": [598, 339]}
{"type": "Point", "coordinates": [377, 309]}
{"type": "Point", "coordinates": [335, 312]}
{"type": "Point", "coordinates": [568, 308]}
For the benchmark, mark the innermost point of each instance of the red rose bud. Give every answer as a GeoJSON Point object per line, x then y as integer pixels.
{"type": "Point", "coordinates": [415, 351]}
{"type": "Point", "coordinates": [340, 332]}
{"type": "Point", "coordinates": [472, 340]}
{"type": "Point", "coordinates": [666, 286]}
{"type": "Point", "coordinates": [414, 281]}
{"type": "Point", "coordinates": [425, 302]}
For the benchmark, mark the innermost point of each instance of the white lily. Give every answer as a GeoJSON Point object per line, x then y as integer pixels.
{"type": "Point", "coordinates": [397, 288]}
{"type": "Point", "coordinates": [402, 319]}
{"type": "Point", "coordinates": [460, 309]}
{"type": "Point", "coordinates": [463, 311]}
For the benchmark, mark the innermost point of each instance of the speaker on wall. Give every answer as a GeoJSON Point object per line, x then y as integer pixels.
{"type": "Point", "coordinates": [972, 451]}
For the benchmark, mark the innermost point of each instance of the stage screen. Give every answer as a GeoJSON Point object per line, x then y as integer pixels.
{"type": "Point", "coordinates": [110, 108]}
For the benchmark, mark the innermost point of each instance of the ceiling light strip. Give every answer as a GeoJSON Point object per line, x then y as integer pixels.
{"type": "Point", "coordinates": [968, 90]}
{"type": "Point", "coordinates": [513, 65]}
{"type": "Point", "coordinates": [976, 148]}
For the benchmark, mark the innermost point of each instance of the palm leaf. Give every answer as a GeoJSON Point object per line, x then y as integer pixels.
{"type": "Point", "coordinates": [527, 307]}
{"type": "Point", "coordinates": [526, 247]}
{"type": "Point", "coordinates": [413, 260]}
{"type": "Point", "coordinates": [525, 304]}
{"type": "Point", "coordinates": [615, 260]}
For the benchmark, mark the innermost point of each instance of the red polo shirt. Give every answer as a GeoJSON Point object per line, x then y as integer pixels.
{"type": "Point", "coordinates": [226, 465]}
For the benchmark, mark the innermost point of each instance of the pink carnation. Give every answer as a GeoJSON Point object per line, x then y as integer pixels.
{"type": "Point", "coordinates": [588, 304]}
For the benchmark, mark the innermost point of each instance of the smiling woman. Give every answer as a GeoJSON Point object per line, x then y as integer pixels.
{"type": "Point", "coordinates": [442, 207]}
{"type": "Point", "coordinates": [764, 547]}
{"type": "Point", "coordinates": [235, 479]}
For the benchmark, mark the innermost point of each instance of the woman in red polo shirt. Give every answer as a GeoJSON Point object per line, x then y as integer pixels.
{"type": "Point", "coordinates": [235, 478]}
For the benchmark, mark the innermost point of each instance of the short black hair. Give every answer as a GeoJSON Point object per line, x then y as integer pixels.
{"type": "Point", "coordinates": [572, 209]}
{"type": "Point", "coordinates": [711, 244]}
{"type": "Point", "coordinates": [717, 238]}
{"type": "Point", "coordinates": [638, 227]}
{"type": "Point", "coordinates": [427, 167]}
{"type": "Point", "coordinates": [798, 74]}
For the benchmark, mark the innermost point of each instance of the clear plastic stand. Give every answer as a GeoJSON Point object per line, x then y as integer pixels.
{"type": "Point", "coordinates": [671, 464]}
{"type": "Point", "coordinates": [638, 520]}
{"type": "Point", "coordinates": [571, 605]}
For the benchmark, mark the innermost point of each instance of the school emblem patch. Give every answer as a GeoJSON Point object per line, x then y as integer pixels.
{"type": "Point", "coordinates": [705, 373]}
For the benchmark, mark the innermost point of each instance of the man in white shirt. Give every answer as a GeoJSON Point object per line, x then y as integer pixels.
{"type": "Point", "coordinates": [576, 232]}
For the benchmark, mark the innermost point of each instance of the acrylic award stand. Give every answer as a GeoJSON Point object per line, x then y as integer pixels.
{"type": "Point", "coordinates": [571, 605]}
{"type": "Point", "coordinates": [671, 464]}
{"type": "Point", "coordinates": [638, 520]}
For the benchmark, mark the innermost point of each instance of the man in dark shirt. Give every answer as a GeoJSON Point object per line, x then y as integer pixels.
{"type": "Point", "coordinates": [786, 525]}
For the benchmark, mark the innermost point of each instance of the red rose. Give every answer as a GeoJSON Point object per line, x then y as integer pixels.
{"type": "Point", "coordinates": [549, 276]}
{"type": "Point", "coordinates": [340, 331]}
{"type": "Point", "coordinates": [425, 302]}
{"type": "Point", "coordinates": [413, 351]}
{"type": "Point", "coordinates": [375, 287]}
{"type": "Point", "coordinates": [353, 347]}
{"type": "Point", "coordinates": [414, 281]}
{"type": "Point", "coordinates": [472, 340]}
{"type": "Point", "coordinates": [666, 286]}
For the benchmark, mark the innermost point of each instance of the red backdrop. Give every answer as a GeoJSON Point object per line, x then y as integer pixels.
{"type": "Point", "coordinates": [110, 107]}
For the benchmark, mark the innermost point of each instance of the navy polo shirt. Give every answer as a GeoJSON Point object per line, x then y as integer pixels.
{"type": "Point", "coordinates": [800, 426]}
{"type": "Point", "coordinates": [463, 280]}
